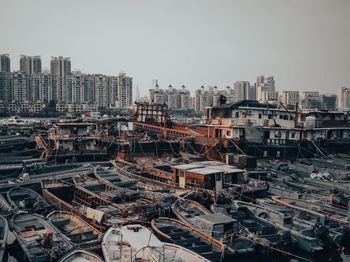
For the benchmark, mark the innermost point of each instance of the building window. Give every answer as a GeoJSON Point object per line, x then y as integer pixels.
{"type": "Point", "coordinates": [260, 115]}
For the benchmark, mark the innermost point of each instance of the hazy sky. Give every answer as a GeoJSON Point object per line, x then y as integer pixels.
{"type": "Point", "coordinates": [304, 44]}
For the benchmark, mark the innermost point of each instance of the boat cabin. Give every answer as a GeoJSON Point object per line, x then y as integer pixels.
{"type": "Point", "coordinates": [69, 136]}
{"type": "Point", "coordinates": [217, 225]}
{"type": "Point", "coordinates": [210, 175]}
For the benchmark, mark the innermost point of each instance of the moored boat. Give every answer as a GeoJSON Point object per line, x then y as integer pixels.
{"type": "Point", "coordinates": [81, 256]}
{"type": "Point", "coordinates": [4, 229]}
{"type": "Point", "coordinates": [25, 199]}
{"type": "Point", "coordinates": [5, 208]}
{"type": "Point", "coordinates": [332, 213]}
{"type": "Point", "coordinates": [303, 234]}
{"type": "Point", "coordinates": [183, 234]}
{"type": "Point", "coordinates": [217, 225]}
{"type": "Point", "coordinates": [79, 232]}
{"type": "Point", "coordinates": [38, 238]}
{"type": "Point", "coordinates": [187, 210]}
{"type": "Point", "coordinates": [266, 235]}
{"type": "Point", "coordinates": [137, 243]}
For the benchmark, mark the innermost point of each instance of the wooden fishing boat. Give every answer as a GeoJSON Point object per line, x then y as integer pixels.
{"type": "Point", "coordinates": [25, 199]}
{"type": "Point", "coordinates": [38, 238]}
{"type": "Point", "coordinates": [80, 233]}
{"type": "Point", "coordinates": [106, 190]}
{"type": "Point", "coordinates": [187, 210]}
{"type": "Point", "coordinates": [303, 234]}
{"type": "Point", "coordinates": [332, 213]}
{"type": "Point", "coordinates": [83, 203]}
{"type": "Point", "coordinates": [217, 225]}
{"type": "Point", "coordinates": [4, 229]}
{"type": "Point", "coordinates": [137, 243]}
{"type": "Point", "coordinates": [5, 207]}
{"type": "Point", "coordinates": [185, 235]}
{"type": "Point", "coordinates": [114, 178]}
{"type": "Point", "coordinates": [98, 211]}
{"type": "Point", "coordinates": [81, 256]}
{"type": "Point", "coordinates": [267, 236]}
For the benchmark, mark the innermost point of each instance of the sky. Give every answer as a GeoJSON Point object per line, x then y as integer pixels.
{"type": "Point", "coordinates": [304, 44]}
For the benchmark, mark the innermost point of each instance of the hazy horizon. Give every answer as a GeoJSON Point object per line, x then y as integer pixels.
{"type": "Point", "coordinates": [303, 44]}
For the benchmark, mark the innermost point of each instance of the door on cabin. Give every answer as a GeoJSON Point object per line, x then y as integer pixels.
{"type": "Point", "coordinates": [218, 181]}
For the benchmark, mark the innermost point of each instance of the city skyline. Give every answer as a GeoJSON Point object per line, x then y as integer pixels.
{"type": "Point", "coordinates": [189, 43]}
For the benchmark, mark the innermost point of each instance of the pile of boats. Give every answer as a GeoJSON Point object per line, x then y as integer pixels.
{"type": "Point", "coordinates": [101, 215]}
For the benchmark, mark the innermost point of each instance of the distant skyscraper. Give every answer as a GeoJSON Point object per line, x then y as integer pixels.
{"type": "Point", "coordinates": [45, 86]}
{"type": "Point", "coordinates": [5, 65]}
{"type": "Point", "coordinates": [60, 67]}
{"type": "Point", "coordinates": [101, 98]}
{"type": "Point", "coordinates": [329, 102]}
{"type": "Point", "coordinates": [30, 64]}
{"type": "Point", "coordinates": [311, 100]}
{"type": "Point", "coordinates": [74, 88]}
{"type": "Point", "coordinates": [112, 91]}
{"type": "Point", "coordinates": [241, 90]}
{"type": "Point", "coordinates": [124, 90]}
{"type": "Point", "coordinates": [290, 98]}
{"type": "Point", "coordinates": [344, 99]}
{"type": "Point", "coordinates": [89, 88]}
{"type": "Point", "coordinates": [175, 98]}
{"type": "Point", "coordinates": [6, 86]}
{"type": "Point", "coordinates": [20, 87]}
{"type": "Point", "coordinates": [265, 89]}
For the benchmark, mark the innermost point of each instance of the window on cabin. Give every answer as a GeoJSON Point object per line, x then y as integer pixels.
{"type": "Point", "coordinates": [292, 135]}
{"type": "Point", "coordinates": [260, 115]}
{"type": "Point", "coordinates": [269, 116]}
{"type": "Point", "coordinates": [237, 115]}
{"type": "Point", "coordinates": [281, 116]}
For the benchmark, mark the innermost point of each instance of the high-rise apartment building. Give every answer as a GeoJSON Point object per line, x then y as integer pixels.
{"type": "Point", "coordinates": [101, 90]}
{"type": "Point", "coordinates": [329, 102]}
{"type": "Point", "coordinates": [124, 85]}
{"type": "Point", "coordinates": [311, 100]}
{"type": "Point", "coordinates": [204, 98]}
{"type": "Point", "coordinates": [6, 86]}
{"type": "Point", "coordinates": [89, 88]}
{"type": "Point", "coordinates": [242, 89]}
{"type": "Point", "coordinates": [344, 99]}
{"type": "Point", "coordinates": [173, 97]}
{"type": "Point", "coordinates": [290, 98]}
{"type": "Point", "coordinates": [45, 86]}
{"type": "Point", "coordinates": [20, 87]}
{"type": "Point", "coordinates": [112, 91]}
{"type": "Point", "coordinates": [74, 88]}
{"type": "Point", "coordinates": [60, 67]}
{"type": "Point", "coordinates": [265, 90]}
{"type": "Point", "coordinates": [5, 65]}
{"type": "Point", "coordinates": [185, 98]}
{"type": "Point", "coordinates": [30, 64]}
